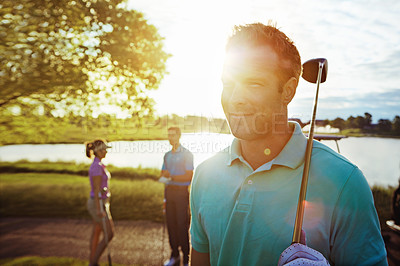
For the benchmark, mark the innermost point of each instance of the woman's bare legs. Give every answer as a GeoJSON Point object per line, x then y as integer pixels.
{"type": "Point", "coordinates": [99, 249]}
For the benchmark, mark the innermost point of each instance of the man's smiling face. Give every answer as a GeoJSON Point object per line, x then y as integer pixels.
{"type": "Point", "coordinates": [252, 92]}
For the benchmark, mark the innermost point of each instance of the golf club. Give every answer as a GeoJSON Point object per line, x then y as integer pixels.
{"type": "Point", "coordinates": [163, 233]}
{"type": "Point", "coordinates": [314, 71]}
{"type": "Point", "coordinates": [105, 228]}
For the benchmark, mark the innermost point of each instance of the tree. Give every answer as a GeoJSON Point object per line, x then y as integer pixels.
{"type": "Point", "coordinates": [78, 52]}
{"type": "Point", "coordinates": [384, 125]}
{"type": "Point", "coordinates": [396, 125]}
{"type": "Point", "coordinates": [338, 123]}
{"type": "Point", "coordinates": [368, 119]}
{"type": "Point", "coordinates": [359, 122]}
{"type": "Point", "coordinates": [350, 122]}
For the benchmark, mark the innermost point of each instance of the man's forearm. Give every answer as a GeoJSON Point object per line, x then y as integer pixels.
{"type": "Point", "coordinates": [187, 177]}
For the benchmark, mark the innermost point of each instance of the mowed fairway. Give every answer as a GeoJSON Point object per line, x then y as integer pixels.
{"type": "Point", "coordinates": [52, 199]}
{"type": "Point", "coordinates": [64, 195]}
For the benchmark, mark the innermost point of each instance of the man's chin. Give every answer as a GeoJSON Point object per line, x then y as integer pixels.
{"type": "Point", "coordinates": [244, 135]}
{"type": "Point", "coordinates": [242, 131]}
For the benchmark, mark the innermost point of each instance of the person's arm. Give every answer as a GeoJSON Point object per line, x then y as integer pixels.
{"type": "Point", "coordinates": [96, 190]}
{"type": "Point", "coordinates": [164, 173]}
{"type": "Point", "coordinates": [354, 221]}
{"type": "Point", "coordinates": [199, 259]}
{"type": "Point", "coordinates": [187, 177]}
{"type": "Point", "coordinates": [200, 251]}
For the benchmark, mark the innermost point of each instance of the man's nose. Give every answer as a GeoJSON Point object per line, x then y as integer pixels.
{"type": "Point", "coordinates": [238, 96]}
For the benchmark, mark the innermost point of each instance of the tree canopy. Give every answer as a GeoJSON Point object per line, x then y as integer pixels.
{"type": "Point", "coordinates": [78, 52]}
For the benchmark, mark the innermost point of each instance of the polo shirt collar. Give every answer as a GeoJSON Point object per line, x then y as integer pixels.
{"type": "Point", "coordinates": [234, 151]}
{"type": "Point", "coordinates": [179, 149]}
{"type": "Point", "coordinates": [291, 156]}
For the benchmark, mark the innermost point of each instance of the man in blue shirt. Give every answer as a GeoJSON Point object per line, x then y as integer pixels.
{"type": "Point", "coordinates": [243, 200]}
{"type": "Point", "coordinates": [178, 167]}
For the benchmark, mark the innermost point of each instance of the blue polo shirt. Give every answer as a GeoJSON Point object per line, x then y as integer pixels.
{"type": "Point", "coordinates": [246, 217]}
{"type": "Point", "coordinates": [177, 163]}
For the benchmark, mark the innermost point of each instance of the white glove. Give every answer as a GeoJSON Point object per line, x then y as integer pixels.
{"type": "Point", "coordinates": [164, 180]}
{"type": "Point", "coordinates": [299, 254]}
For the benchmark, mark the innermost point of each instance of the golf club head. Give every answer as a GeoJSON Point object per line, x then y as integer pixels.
{"type": "Point", "coordinates": [311, 67]}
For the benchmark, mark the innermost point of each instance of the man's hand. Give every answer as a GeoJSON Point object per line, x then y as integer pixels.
{"type": "Point", "coordinates": [300, 254]}
{"type": "Point", "coordinates": [166, 173]}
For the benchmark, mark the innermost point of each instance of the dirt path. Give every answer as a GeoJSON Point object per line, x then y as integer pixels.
{"type": "Point", "coordinates": [135, 242]}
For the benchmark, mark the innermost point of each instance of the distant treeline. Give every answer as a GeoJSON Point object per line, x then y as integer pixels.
{"type": "Point", "coordinates": [364, 125]}
{"type": "Point", "coordinates": [28, 127]}
{"type": "Point", "coordinates": [35, 128]}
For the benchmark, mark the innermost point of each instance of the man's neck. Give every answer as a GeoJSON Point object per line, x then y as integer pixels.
{"type": "Point", "coordinates": [260, 151]}
{"type": "Point", "coordinates": [175, 147]}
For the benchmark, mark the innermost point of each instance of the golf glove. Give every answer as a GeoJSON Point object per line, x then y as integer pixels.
{"type": "Point", "coordinates": [299, 254]}
{"type": "Point", "coordinates": [164, 179]}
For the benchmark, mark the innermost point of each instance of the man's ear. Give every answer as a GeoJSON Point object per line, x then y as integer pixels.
{"type": "Point", "coordinates": [289, 90]}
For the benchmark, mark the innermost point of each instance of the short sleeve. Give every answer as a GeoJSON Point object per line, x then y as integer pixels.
{"type": "Point", "coordinates": [189, 161]}
{"type": "Point", "coordinates": [198, 237]}
{"type": "Point", "coordinates": [356, 237]}
{"type": "Point", "coordinates": [164, 166]}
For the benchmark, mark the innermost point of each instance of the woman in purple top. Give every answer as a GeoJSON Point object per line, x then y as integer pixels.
{"type": "Point", "coordinates": [99, 180]}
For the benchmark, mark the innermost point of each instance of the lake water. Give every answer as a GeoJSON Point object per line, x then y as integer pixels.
{"type": "Point", "coordinates": [378, 158]}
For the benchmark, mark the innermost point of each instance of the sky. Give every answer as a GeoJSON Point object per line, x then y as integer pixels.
{"type": "Point", "coordinates": [359, 38]}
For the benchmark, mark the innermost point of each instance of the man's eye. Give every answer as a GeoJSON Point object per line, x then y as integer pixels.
{"type": "Point", "coordinates": [254, 85]}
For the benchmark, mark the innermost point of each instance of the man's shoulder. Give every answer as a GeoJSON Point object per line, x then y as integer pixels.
{"type": "Point", "coordinates": [324, 153]}
{"type": "Point", "coordinates": [334, 166]}
{"type": "Point", "coordinates": [216, 161]}
{"type": "Point", "coordinates": [184, 150]}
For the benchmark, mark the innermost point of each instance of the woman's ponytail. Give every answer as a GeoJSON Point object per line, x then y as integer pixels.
{"type": "Point", "coordinates": [89, 147]}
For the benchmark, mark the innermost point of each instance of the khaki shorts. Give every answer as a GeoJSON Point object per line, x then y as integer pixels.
{"type": "Point", "coordinates": [91, 206]}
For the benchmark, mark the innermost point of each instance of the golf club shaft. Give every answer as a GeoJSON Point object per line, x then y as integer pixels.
{"type": "Point", "coordinates": [163, 232]}
{"type": "Point", "coordinates": [307, 160]}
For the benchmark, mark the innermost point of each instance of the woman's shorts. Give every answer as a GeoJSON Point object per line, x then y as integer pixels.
{"type": "Point", "coordinates": [91, 206]}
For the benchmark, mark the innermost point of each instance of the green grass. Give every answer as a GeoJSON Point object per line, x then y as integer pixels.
{"type": "Point", "coordinates": [65, 195]}
{"type": "Point", "coordinates": [383, 203]}
{"type": "Point", "coordinates": [47, 261]}
{"type": "Point", "coordinates": [61, 189]}
{"type": "Point", "coordinates": [81, 169]}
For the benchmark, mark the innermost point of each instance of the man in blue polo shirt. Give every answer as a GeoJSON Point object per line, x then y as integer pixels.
{"type": "Point", "coordinates": [178, 167]}
{"type": "Point", "coordinates": [243, 200]}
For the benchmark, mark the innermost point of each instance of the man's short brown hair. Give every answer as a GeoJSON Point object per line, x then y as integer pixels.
{"type": "Point", "coordinates": [258, 34]}
{"type": "Point", "coordinates": [176, 129]}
